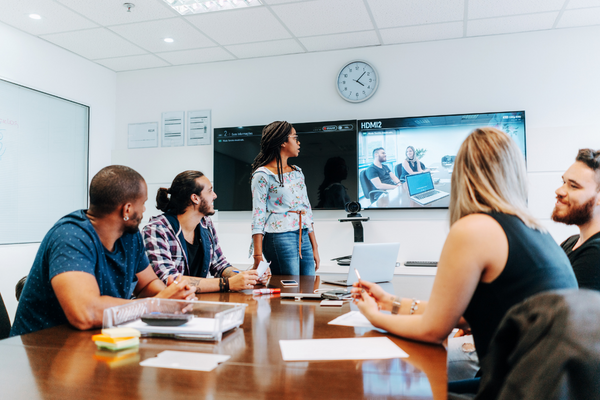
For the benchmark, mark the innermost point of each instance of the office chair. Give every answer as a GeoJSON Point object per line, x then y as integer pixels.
{"type": "Point", "coordinates": [547, 347]}
{"type": "Point", "coordinates": [399, 171]}
{"type": "Point", "coordinates": [4, 320]}
{"type": "Point", "coordinates": [368, 188]}
{"type": "Point", "coordinates": [19, 287]}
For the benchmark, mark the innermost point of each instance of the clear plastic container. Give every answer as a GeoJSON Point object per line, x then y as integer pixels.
{"type": "Point", "coordinates": [211, 319]}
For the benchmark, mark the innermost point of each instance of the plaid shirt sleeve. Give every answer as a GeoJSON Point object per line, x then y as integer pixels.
{"type": "Point", "coordinates": [159, 251]}
{"type": "Point", "coordinates": [218, 262]}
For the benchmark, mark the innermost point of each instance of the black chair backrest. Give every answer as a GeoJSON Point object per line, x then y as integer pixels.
{"type": "Point", "coordinates": [398, 171]}
{"type": "Point", "coordinates": [19, 287]}
{"type": "Point", "coordinates": [4, 320]}
{"type": "Point", "coordinates": [366, 185]}
{"type": "Point", "coordinates": [547, 347]}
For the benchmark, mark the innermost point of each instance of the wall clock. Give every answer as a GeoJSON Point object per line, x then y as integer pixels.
{"type": "Point", "coordinates": [357, 81]}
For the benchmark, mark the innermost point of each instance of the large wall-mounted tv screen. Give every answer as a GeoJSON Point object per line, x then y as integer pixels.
{"type": "Point", "coordinates": [328, 159]}
{"type": "Point", "coordinates": [408, 162]}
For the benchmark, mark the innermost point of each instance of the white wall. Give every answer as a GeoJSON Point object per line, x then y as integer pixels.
{"type": "Point", "coordinates": [37, 64]}
{"type": "Point", "coordinates": [552, 75]}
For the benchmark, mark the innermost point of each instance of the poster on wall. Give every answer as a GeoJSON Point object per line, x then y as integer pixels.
{"type": "Point", "coordinates": [199, 127]}
{"type": "Point", "coordinates": [143, 135]}
{"type": "Point", "coordinates": [172, 128]}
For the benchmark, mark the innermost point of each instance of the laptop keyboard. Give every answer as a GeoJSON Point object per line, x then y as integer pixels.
{"type": "Point", "coordinates": [426, 194]}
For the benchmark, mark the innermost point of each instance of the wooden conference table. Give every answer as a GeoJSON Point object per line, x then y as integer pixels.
{"type": "Point", "coordinates": [63, 363]}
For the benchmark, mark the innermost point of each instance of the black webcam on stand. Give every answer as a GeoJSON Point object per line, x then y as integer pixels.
{"type": "Point", "coordinates": [353, 209]}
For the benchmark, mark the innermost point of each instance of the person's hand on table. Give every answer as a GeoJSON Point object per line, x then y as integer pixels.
{"type": "Point", "coordinates": [243, 280]}
{"type": "Point", "coordinates": [264, 280]}
{"type": "Point", "coordinates": [177, 289]}
{"type": "Point", "coordinates": [366, 304]}
{"type": "Point", "coordinates": [381, 297]}
{"type": "Point", "coordinates": [257, 260]}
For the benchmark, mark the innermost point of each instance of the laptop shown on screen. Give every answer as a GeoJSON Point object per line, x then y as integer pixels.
{"type": "Point", "coordinates": [375, 262]}
{"type": "Point", "coordinates": [421, 190]}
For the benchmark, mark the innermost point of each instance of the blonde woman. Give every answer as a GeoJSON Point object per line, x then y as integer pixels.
{"type": "Point", "coordinates": [495, 256]}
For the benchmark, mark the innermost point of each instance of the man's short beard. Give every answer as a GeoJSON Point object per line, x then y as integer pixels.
{"type": "Point", "coordinates": [134, 228]}
{"type": "Point", "coordinates": [204, 208]}
{"type": "Point", "coordinates": [576, 215]}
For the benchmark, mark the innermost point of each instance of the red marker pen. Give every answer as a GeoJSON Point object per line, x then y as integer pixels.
{"type": "Point", "coordinates": [266, 291]}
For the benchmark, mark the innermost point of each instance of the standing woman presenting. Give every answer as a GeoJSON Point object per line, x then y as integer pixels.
{"type": "Point", "coordinates": [282, 221]}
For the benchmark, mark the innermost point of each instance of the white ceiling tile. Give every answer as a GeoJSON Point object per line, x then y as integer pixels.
{"type": "Point", "coordinates": [324, 17]}
{"type": "Point", "coordinates": [270, 2]}
{"type": "Point", "coordinates": [581, 17]}
{"type": "Point", "coordinates": [341, 41]}
{"type": "Point", "coordinates": [55, 17]}
{"type": "Point", "coordinates": [517, 23]}
{"type": "Point", "coordinates": [94, 43]}
{"type": "Point", "coordinates": [501, 8]}
{"type": "Point", "coordinates": [196, 56]}
{"type": "Point", "coordinates": [150, 35]}
{"type": "Point", "coordinates": [240, 26]}
{"type": "Point", "coordinates": [112, 12]}
{"type": "Point", "coordinates": [422, 33]}
{"type": "Point", "coordinates": [264, 49]}
{"type": "Point", "coordinates": [393, 13]}
{"type": "Point", "coordinates": [583, 4]}
{"type": "Point", "coordinates": [133, 62]}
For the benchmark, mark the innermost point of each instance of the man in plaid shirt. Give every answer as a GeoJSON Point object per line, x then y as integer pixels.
{"type": "Point", "coordinates": [183, 240]}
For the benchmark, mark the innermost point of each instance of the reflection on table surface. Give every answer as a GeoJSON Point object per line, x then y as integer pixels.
{"type": "Point", "coordinates": [62, 363]}
{"type": "Point", "coordinates": [400, 198]}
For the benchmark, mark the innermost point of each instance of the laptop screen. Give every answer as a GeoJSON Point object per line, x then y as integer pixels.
{"type": "Point", "coordinates": [419, 183]}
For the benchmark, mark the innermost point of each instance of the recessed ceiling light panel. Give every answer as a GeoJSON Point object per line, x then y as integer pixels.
{"type": "Point", "coordinates": [34, 16]}
{"type": "Point", "coordinates": [169, 40]}
{"type": "Point", "coordinates": [186, 7]}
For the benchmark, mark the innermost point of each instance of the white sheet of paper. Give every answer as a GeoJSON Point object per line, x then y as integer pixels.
{"type": "Point", "coordinates": [377, 348]}
{"type": "Point", "coordinates": [185, 360]}
{"type": "Point", "coordinates": [334, 303]}
{"type": "Point", "coordinates": [262, 268]}
{"type": "Point", "coordinates": [352, 318]}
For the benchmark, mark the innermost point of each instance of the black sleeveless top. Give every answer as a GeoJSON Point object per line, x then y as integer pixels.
{"type": "Point", "coordinates": [535, 264]}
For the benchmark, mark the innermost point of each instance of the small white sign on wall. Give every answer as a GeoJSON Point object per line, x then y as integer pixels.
{"type": "Point", "coordinates": [172, 128]}
{"type": "Point", "coordinates": [199, 128]}
{"type": "Point", "coordinates": [143, 135]}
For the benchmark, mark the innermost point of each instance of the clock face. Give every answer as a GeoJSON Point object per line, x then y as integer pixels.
{"type": "Point", "coordinates": [357, 81]}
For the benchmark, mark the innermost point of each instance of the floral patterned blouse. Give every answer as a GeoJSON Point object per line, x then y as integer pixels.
{"type": "Point", "coordinates": [271, 203]}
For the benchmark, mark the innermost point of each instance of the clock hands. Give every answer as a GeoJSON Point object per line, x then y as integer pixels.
{"type": "Point", "coordinates": [358, 80]}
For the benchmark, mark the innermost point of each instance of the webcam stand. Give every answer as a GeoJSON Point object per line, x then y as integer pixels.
{"type": "Point", "coordinates": [356, 220]}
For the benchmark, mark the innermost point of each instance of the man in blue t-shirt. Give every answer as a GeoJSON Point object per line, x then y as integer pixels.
{"type": "Point", "coordinates": [93, 259]}
{"type": "Point", "coordinates": [379, 174]}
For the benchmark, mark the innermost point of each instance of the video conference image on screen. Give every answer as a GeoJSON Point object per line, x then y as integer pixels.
{"type": "Point", "coordinates": [408, 162]}
{"type": "Point", "coordinates": [381, 163]}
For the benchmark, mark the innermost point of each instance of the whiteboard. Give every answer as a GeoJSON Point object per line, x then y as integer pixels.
{"type": "Point", "coordinates": [43, 161]}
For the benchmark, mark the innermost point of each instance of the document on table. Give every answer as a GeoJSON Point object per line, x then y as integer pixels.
{"type": "Point", "coordinates": [352, 318]}
{"type": "Point", "coordinates": [185, 360]}
{"type": "Point", "coordinates": [373, 348]}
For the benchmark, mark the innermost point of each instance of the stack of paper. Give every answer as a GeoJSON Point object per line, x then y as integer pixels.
{"type": "Point", "coordinates": [185, 360]}
{"type": "Point", "coordinates": [117, 338]}
{"type": "Point", "coordinates": [373, 348]}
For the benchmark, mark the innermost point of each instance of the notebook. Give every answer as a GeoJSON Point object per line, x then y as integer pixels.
{"type": "Point", "coordinates": [375, 262]}
{"type": "Point", "coordinates": [421, 190]}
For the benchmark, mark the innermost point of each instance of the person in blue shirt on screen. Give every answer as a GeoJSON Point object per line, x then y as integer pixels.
{"type": "Point", "coordinates": [379, 174]}
{"type": "Point", "coordinates": [94, 259]}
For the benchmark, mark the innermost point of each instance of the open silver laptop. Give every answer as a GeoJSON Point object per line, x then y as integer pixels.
{"type": "Point", "coordinates": [375, 262]}
{"type": "Point", "coordinates": [421, 190]}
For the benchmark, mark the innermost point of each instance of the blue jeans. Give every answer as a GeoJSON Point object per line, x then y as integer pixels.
{"type": "Point", "coordinates": [281, 249]}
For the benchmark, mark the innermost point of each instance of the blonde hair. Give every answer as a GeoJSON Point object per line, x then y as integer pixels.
{"type": "Point", "coordinates": [489, 175]}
